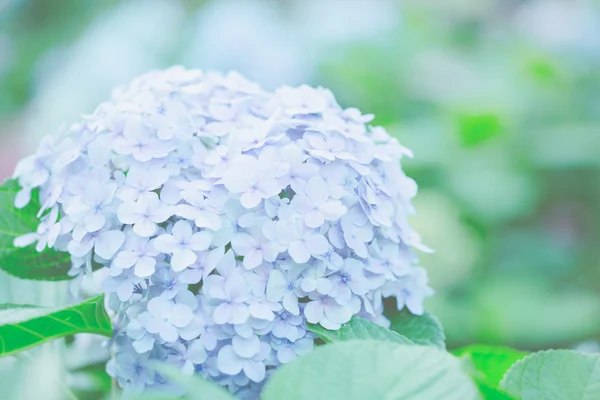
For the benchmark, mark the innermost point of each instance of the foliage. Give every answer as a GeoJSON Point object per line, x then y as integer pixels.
{"type": "Point", "coordinates": [356, 370]}
{"type": "Point", "coordinates": [24, 326]}
{"type": "Point", "coordinates": [358, 328]}
{"type": "Point", "coordinates": [26, 262]}
{"type": "Point", "coordinates": [424, 329]}
{"type": "Point", "coordinates": [488, 365]}
{"type": "Point", "coordinates": [491, 362]}
{"type": "Point", "coordinates": [556, 374]}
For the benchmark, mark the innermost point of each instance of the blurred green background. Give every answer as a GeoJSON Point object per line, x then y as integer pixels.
{"type": "Point", "coordinates": [499, 100]}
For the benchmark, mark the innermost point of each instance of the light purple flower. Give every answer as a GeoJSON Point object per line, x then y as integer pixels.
{"type": "Point", "coordinates": [124, 285]}
{"type": "Point", "coordinates": [145, 214]}
{"type": "Point", "coordinates": [314, 204]}
{"type": "Point", "coordinates": [221, 219]}
{"type": "Point", "coordinates": [299, 171]}
{"type": "Point", "coordinates": [139, 253]}
{"type": "Point", "coordinates": [182, 243]}
{"type": "Point", "coordinates": [255, 179]}
{"type": "Point", "coordinates": [302, 100]}
{"type": "Point", "coordinates": [229, 295]}
{"type": "Point", "coordinates": [285, 288]}
{"type": "Point", "coordinates": [327, 147]}
{"type": "Point", "coordinates": [164, 317]}
{"type": "Point", "coordinates": [357, 231]}
{"type": "Point", "coordinates": [288, 326]}
{"type": "Point", "coordinates": [141, 180]}
{"type": "Point", "coordinates": [288, 351]}
{"type": "Point", "coordinates": [187, 357]}
{"type": "Point", "coordinates": [231, 363]}
{"type": "Point", "coordinates": [204, 211]}
{"type": "Point", "coordinates": [46, 234]}
{"type": "Point", "coordinates": [166, 282]}
{"type": "Point", "coordinates": [173, 122]}
{"type": "Point", "coordinates": [235, 220]}
{"type": "Point", "coordinates": [410, 291]}
{"type": "Point", "coordinates": [349, 280]}
{"type": "Point", "coordinates": [301, 242]}
{"type": "Point", "coordinates": [341, 181]}
{"type": "Point", "coordinates": [104, 243]}
{"type": "Point", "coordinates": [138, 142]}
{"type": "Point", "coordinates": [134, 369]}
{"type": "Point", "coordinates": [91, 209]}
{"type": "Point", "coordinates": [205, 264]}
{"type": "Point", "coordinates": [255, 248]}
{"type": "Point", "coordinates": [376, 204]}
{"type": "Point", "coordinates": [329, 313]}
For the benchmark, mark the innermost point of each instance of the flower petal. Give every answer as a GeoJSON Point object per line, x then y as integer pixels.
{"type": "Point", "coordinates": [228, 361]}
{"type": "Point", "coordinates": [107, 243]}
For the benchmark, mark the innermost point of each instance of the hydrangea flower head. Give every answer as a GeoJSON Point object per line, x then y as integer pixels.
{"type": "Point", "coordinates": [227, 218]}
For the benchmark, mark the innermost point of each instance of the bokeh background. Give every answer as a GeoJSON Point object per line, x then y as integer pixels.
{"type": "Point", "coordinates": [499, 100]}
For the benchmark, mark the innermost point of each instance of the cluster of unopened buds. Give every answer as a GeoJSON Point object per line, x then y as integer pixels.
{"type": "Point", "coordinates": [227, 218]}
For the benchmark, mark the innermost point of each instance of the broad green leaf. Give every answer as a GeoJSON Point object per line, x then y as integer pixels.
{"type": "Point", "coordinates": [26, 263]}
{"type": "Point", "coordinates": [476, 128]}
{"type": "Point", "coordinates": [554, 374]}
{"type": "Point", "coordinates": [22, 327]}
{"type": "Point", "coordinates": [490, 363]}
{"type": "Point", "coordinates": [358, 328]}
{"type": "Point", "coordinates": [196, 387]}
{"type": "Point", "coordinates": [370, 369]}
{"type": "Point", "coordinates": [423, 329]}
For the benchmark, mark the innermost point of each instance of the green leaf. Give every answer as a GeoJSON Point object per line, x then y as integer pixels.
{"type": "Point", "coordinates": [423, 329]}
{"type": "Point", "coordinates": [476, 128]}
{"type": "Point", "coordinates": [22, 327]}
{"type": "Point", "coordinates": [26, 263]}
{"type": "Point", "coordinates": [490, 363]}
{"type": "Point", "coordinates": [197, 388]}
{"type": "Point", "coordinates": [554, 374]}
{"type": "Point", "coordinates": [370, 369]}
{"type": "Point", "coordinates": [358, 328]}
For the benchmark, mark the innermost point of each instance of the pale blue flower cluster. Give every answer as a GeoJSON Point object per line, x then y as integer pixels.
{"type": "Point", "coordinates": [228, 218]}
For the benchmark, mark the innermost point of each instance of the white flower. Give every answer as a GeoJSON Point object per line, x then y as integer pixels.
{"type": "Point", "coordinates": [255, 248]}
{"type": "Point", "coordinates": [138, 142]}
{"type": "Point", "coordinates": [182, 243]}
{"type": "Point", "coordinates": [141, 180]}
{"type": "Point", "coordinates": [164, 317]}
{"type": "Point", "coordinates": [104, 243]}
{"type": "Point", "coordinates": [255, 179]}
{"type": "Point", "coordinates": [326, 311]}
{"type": "Point", "coordinates": [302, 100]}
{"type": "Point", "coordinates": [285, 288]}
{"type": "Point", "coordinates": [145, 214]}
{"type": "Point", "coordinates": [348, 280]}
{"type": "Point", "coordinates": [204, 211]}
{"type": "Point", "coordinates": [314, 204]}
{"type": "Point", "coordinates": [91, 209]}
{"type": "Point", "coordinates": [225, 218]}
{"type": "Point", "coordinates": [299, 171]}
{"type": "Point", "coordinates": [138, 252]}
{"type": "Point", "coordinates": [231, 363]}
{"type": "Point", "coordinates": [301, 242]}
